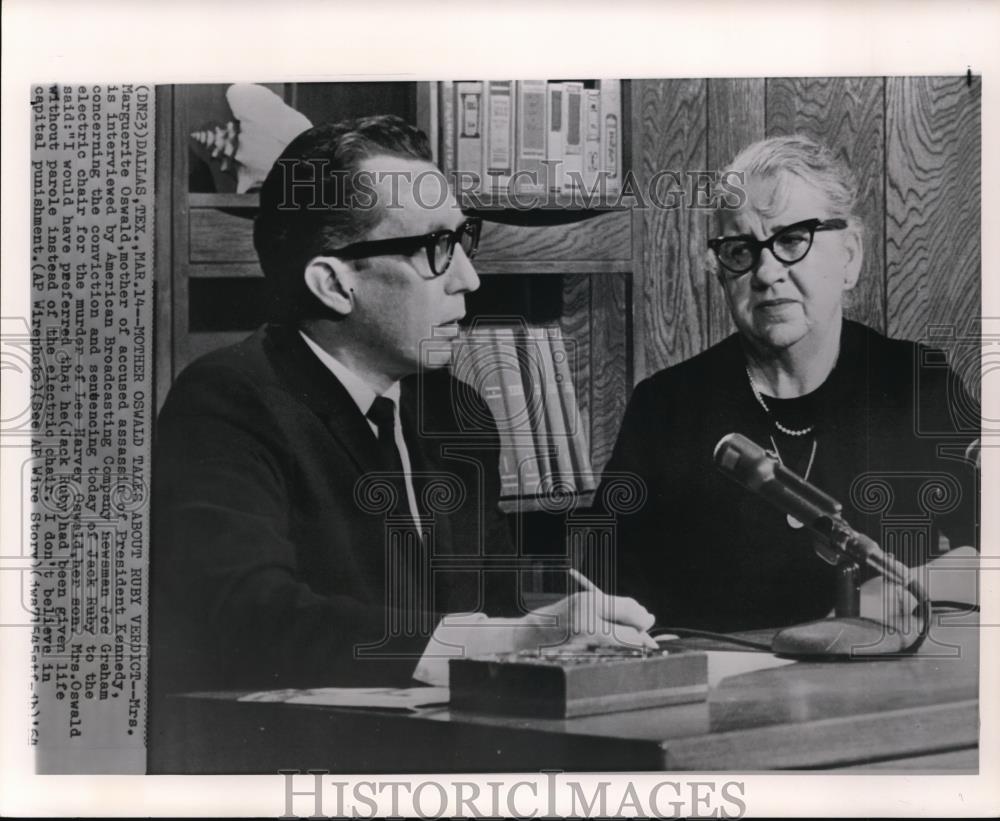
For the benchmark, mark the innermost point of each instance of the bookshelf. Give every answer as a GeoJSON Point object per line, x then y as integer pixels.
{"type": "Point", "coordinates": [557, 264]}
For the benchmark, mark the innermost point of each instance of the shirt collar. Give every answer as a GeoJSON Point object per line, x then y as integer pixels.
{"type": "Point", "coordinates": [361, 392]}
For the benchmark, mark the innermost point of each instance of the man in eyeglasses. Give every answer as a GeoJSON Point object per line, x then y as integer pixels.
{"type": "Point", "coordinates": [324, 494]}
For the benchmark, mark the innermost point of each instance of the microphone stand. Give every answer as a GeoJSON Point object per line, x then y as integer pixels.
{"type": "Point", "coordinates": [847, 635]}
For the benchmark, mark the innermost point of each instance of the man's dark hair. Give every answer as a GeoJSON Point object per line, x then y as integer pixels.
{"type": "Point", "coordinates": [312, 201]}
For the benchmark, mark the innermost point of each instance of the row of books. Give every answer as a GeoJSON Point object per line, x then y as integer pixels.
{"type": "Point", "coordinates": [524, 375]}
{"type": "Point", "coordinates": [532, 137]}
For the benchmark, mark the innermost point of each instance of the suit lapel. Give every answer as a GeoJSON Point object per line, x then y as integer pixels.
{"type": "Point", "coordinates": [311, 382]}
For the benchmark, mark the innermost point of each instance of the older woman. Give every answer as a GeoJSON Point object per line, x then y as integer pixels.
{"type": "Point", "coordinates": [834, 401]}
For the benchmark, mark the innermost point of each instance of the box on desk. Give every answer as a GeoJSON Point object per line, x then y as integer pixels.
{"type": "Point", "coordinates": [561, 683]}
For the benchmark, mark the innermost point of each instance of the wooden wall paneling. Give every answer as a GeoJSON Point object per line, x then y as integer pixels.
{"type": "Point", "coordinates": [933, 242]}
{"type": "Point", "coordinates": [672, 307]}
{"type": "Point", "coordinates": [575, 324]}
{"type": "Point", "coordinates": [220, 236]}
{"type": "Point", "coordinates": [847, 114]}
{"type": "Point", "coordinates": [634, 143]}
{"type": "Point", "coordinates": [736, 118]}
{"type": "Point", "coordinates": [610, 367]}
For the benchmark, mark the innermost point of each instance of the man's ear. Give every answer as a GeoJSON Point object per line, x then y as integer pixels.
{"type": "Point", "coordinates": [331, 281]}
{"type": "Point", "coordinates": [854, 256]}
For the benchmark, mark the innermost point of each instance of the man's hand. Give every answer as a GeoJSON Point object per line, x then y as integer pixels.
{"type": "Point", "coordinates": [587, 618]}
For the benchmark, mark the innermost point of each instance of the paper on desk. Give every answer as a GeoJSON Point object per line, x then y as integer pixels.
{"type": "Point", "coordinates": [382, 698]}
{"type": "Point", "coordinates": [725, 663]}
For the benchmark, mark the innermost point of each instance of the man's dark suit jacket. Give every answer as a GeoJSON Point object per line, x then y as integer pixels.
{"type": "Point", "coordinates": [269, 557]}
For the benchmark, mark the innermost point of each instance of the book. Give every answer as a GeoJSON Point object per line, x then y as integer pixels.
{"type": "Point", "coordinates": [591, 140]}
{"type": "Point", "coordinates": [446, 131]}
{"type": "Point", "coordinates": [508, 366]}
{"type": "Point", "coordinates": [530, 176]}
{"type": "Point", "coordinates": [572, 111]}
{"type": "Point", "coordinates": [477, 363]}
{"type": "Point", "coordinates": [434, 125]}
{"type": "Point", "coordinates": [498, 159]}
{"type": "Point", "coordinates": [611, 148]}
{"type": "Point", "coordinates": [577, 435]}
{"type": "Point", "coordinates": [555, 136]}
{"type": "Point", "coordinates": [561, 461]}
{"type": "Point", "coordinates": [533, 379]}
{"type": "Point", "coordinates": [469, 127]}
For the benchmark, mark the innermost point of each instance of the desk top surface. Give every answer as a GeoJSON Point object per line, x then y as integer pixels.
{"type": "Point", "coordinates": [803, 715]}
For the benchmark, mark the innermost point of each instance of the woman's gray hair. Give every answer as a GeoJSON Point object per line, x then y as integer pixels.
{"type": "Point", "coordinates": [813, 162]}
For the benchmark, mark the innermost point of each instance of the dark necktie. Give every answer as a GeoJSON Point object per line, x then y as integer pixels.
{"type": "Point", "coordinates": [383, 413]}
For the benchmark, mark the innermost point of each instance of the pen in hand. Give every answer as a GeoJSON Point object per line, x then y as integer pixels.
{"type": "Point", "coordinates": [583, 581]}
{"type": "Point", "coordinates": [629, 619]}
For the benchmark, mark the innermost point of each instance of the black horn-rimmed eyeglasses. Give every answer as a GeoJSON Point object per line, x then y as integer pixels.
{"type": "Point", "coordinates": [439, 245]}
{"type": "Point", "coordinates": [739, 254]}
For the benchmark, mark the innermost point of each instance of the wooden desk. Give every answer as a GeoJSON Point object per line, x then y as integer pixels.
{"type": "Point", "coordinates": [914, 714]}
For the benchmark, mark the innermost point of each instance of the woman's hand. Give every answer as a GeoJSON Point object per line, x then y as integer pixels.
{"type": "Point", "coordinates": [886, 602]}
{"type": "Point", "coordinates": [588, 618]}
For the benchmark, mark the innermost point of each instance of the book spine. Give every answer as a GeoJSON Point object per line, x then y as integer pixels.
{"type": "Point", "coordinates": [516, 410]}
{"type": "Point", "coordinates": [577, 437]}
{"type": "Point", "coordinates": [469, 127]}
{"type": "Point", "coordinates": [530, 120]}
{"type": "Point", "coordinates": [572, 108]}
{"type": "Point", "coordinates": [481, 367]}
{"type": "Point", "coordinates": [562, 462]}
{"type": "Point", "coordinates": [555, 135]}
{"type": "Point", "coordinates": [611, 134]}
{"type": "Point", "coordinates": [498, 159]}
{"type": "Point", "coordinates": [591, 139]}
{"type": "Point", "coordinates": [533, 376]}
{"type": "Point", "coordinates": [446, 135]}
{"type": "Point", "coordinates": [434, 123]}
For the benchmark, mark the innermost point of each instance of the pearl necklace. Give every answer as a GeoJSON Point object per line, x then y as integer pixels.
{"type": "Point", "coordinates": [760, 401]}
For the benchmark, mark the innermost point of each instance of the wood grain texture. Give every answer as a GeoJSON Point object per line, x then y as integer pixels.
{"type": "Point", "coordinates": [575, 324]}
{"type": "Point", "coordinates": [610, 366]}
{"type": "Point", "coordinates": [933, 208]}
{"type": "Point", "coordinates": [846, 114]}
{"type": "Point", "coordinates": [736, 118]}
{"type": "Point", "coordinates": [672, 308]}
{"type": "Point", "coordinates": [831, 742]}
{"type": "Point", "coordinates": [218, 236]}
{"type": "Point", "coordinates": [604, 237]}
{"type": "Point", "coordinates": [220, 270]}
{"type": "Point", "coordinates": [953, 763]}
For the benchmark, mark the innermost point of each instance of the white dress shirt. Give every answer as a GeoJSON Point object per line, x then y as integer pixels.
{"type": "Point", "coordinates": [456, 635]}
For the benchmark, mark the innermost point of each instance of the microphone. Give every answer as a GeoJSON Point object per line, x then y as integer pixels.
{"type": "Point", "coordinates": [760, 471]}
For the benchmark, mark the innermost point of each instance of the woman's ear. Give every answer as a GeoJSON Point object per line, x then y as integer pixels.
{"type": "Point", "coordinates": [854, 255]}
{"type": "Point", "coordinates": [331, 281]}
